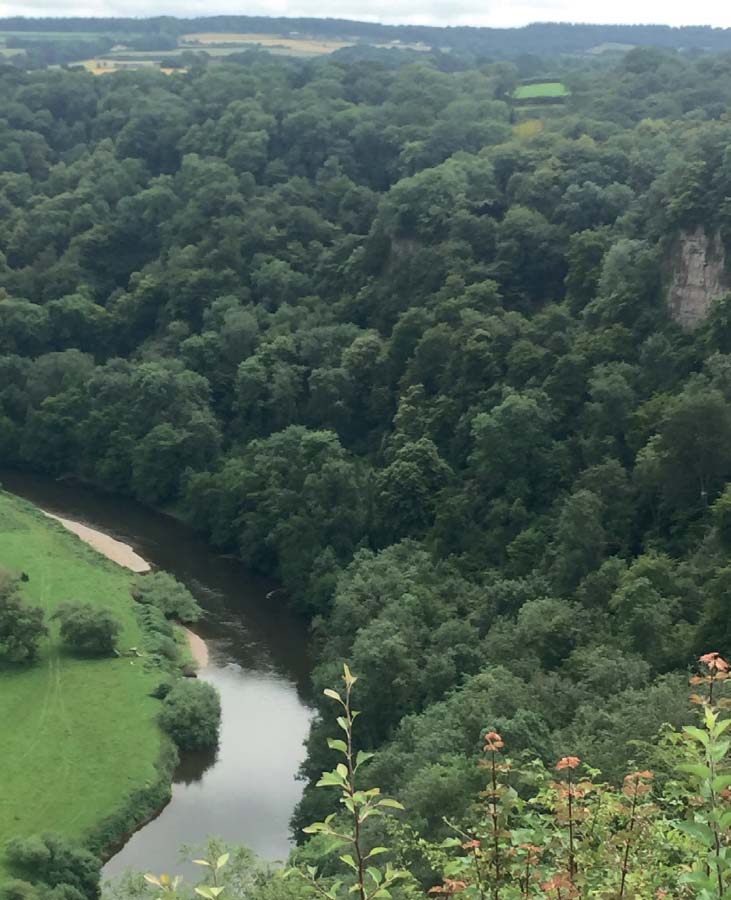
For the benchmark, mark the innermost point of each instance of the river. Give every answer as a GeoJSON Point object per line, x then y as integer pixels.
{"type": "Point", "coordinates": [245, 791]}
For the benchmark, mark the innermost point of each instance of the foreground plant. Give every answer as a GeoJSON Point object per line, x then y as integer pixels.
{"type": "Point", "coordinates": [346, 830]}
{"type": "Point", "coordinates": [710, 775]}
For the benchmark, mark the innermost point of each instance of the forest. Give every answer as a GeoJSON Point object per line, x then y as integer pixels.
{"type": "Point", "coordinates": [403, 344]}
{"type": "Point", "coordinates": [544, 39]}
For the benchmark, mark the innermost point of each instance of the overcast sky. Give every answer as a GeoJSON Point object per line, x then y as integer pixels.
{"type": "Point", "coordinates": [428, 12]}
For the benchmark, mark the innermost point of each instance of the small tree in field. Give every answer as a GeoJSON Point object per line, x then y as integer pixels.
{"type": "Point", "coordinates": [87, 630]}
{"type": "Point", "coordinates": [21, 625]}
{"type": "Point", "coordinates": [191, 714]}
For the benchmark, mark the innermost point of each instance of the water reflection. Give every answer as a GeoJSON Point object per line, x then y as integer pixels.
{"type": "Point", "coordinates": [194, 765]}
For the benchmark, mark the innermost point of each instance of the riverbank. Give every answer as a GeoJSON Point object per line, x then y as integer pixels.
{"type": "Point", "coordinates": [246, 790]}
{"type": "Point", "coordinates": [84, 738]}
{"type": "Point", "coordinates": [123, 555]}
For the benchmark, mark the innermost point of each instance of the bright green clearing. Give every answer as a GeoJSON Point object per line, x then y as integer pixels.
{"type": "Point", "coordinates": [544, 89]}
{"type": "Point", "coordinates": [77, 736]}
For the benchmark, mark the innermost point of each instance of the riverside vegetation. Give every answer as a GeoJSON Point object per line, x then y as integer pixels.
{"type": "Point", "coordinates": [403, 343]}
{"type": "Point", "coordinates": [81, 666]}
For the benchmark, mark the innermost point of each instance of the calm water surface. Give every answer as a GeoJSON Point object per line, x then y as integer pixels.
{"type": "Point", "coordinates": [246, 791]}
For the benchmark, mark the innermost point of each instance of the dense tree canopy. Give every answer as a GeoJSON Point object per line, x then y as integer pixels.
{"type": "Point", "coordinates": [403, 345]}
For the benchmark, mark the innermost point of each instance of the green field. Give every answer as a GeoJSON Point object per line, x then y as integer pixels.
{"type": "Point", "coordinates": [78, 735]}
{"type": "Point", "coordinates": [552, 89]}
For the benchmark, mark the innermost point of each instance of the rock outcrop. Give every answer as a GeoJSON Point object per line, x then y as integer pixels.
{"type": "Point", "coordinates": [697, 275]}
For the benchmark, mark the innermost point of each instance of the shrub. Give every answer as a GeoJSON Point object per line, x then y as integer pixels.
{"type": "Point", "coordinates": [159, 693]}
{"type": "Point", "coordinates": [21, 625]}
{"type": "Point", "coordinates": [87, 629]}
{"type": "Point", "coordinates": [159, 638]}
{"type": "Point", "coordinates": [51, 860]}
{"type": "Point", "coordinates": [16, 889]}
{"type": "Point", "coordinates": [191, 714]}
{"type": "Point", "coordinates": [172, 598]}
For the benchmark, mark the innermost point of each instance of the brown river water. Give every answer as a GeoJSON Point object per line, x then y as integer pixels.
{"type": "Point", "coordinates": [257, 658]}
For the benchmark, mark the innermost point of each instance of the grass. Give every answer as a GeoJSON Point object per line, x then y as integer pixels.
{"type": "Point", "coordinates": [544, 89]}
{"type": "Point", "coordinates": [78, 736]}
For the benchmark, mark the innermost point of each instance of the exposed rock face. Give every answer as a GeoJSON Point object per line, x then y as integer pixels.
{"type": "Point", "coordinates": [696, 276]}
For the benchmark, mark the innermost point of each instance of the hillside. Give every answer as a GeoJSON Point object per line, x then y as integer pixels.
{"type": "Point", "coordinates": [123, 43]}
{"type": "Point", "coordinates": [448, 359]}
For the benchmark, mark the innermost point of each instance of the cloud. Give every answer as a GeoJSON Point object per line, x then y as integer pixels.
{"type": "Point", "coordinates": [498, 13]}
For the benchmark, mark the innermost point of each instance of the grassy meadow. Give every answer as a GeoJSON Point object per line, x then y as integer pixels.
{"type": "Point", "coordinates": [543, 90]}
{"type": "Point", "coordinates": [78, 735]}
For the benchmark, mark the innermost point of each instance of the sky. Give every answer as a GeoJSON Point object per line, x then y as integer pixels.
{"type": "Point", "coordinates": [496, 13]}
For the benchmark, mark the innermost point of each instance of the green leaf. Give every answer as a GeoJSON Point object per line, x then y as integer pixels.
{"type": "Point", "coordinates": [375, 874]}
{"type": "Point", "coordinates": [349, 861]}
{"type": "Point", "coordinates": [697, 734]}
{"type": "Point", "coordinates": [202, 862]}
{"type": "Point", "coordinates": [392, 804]}
{"type": "Point", "coordinates": [722, 726]}
{"type": "Point", "coordinates": [451, 842]}
{"type": "Point", "coordinates": [334, 744]}
{"type": "Point", "coordinates": [382, 892]}
{"type": "Point", "coordinates": [331, 779]}
{"type": "Point", "coordinates": [222, 860]}
{"type": "Point", "coordinates": [696, 769]}
{"type": "Point", "coordinates": [698, 831]}
{"type": "Point", "coordinates": [343, 723]}
{"type": "Point", "coordinates": [716, 752]}
{"type": "Point", "coordinates": [376, 851]}
{"type": "Point", "coordinates": [333, 695]}
{"type": "Point", "coordinates": [363, 757]}
{"type": "Point", "coordinates": [721, 782]}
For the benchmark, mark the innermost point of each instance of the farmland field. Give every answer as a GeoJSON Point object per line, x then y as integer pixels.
{"type": "Point", "coordinates": [545, 89]}
{"type": "Point", "coordinates": [304, 46]}
{"type": "Point", "coordinates": [84, 734]}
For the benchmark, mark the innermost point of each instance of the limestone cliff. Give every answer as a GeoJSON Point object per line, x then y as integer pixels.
{"type": "Point", "coordinates": [696, 275]}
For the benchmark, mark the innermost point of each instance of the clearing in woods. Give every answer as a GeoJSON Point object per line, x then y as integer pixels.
{"type": "Point", "coordinates": [544, 89]}
{"type": "Point", "coordinates": [78, 735]}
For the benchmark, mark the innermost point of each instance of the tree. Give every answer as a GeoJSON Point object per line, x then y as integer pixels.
{"type": "Point", "coordinates": [686, 460]}
{"type": "Point", "coordinates": [191, 714]}
{"type": "Point", "coordinates": [21, 625]}
{"type": "Point", "coordinates": [87, 629]}
{"type": "Point", "coordinates": [50, 860]}
{"type": "Point", "coordinates": [408, 489]}
{"type": "Point", "coordinates": [166, 593]}
{"type": "Point", "coordinates": [580, 541]}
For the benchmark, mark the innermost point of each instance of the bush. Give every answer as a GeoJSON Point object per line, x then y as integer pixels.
{"type": "Point", "coordinates": [21, 625]}
{"type": "Point", "coordinates": [172, 598]}
{"type": "Point", "coordinates": [159, 635]}
{"type": "Point", "coordinates": [191, 714]}
{"type": "Point", "coordinates": [159, 693]}
{"type": "Point", "coordinates": [51, 860]}
{"type": "Point", "coordinates": [18, 890]}
{"type": "Point", "coordinates": [87, 629]}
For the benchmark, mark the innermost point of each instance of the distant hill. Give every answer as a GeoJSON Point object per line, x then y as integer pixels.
{"type": "Point", "coordinates": [539, 38]}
